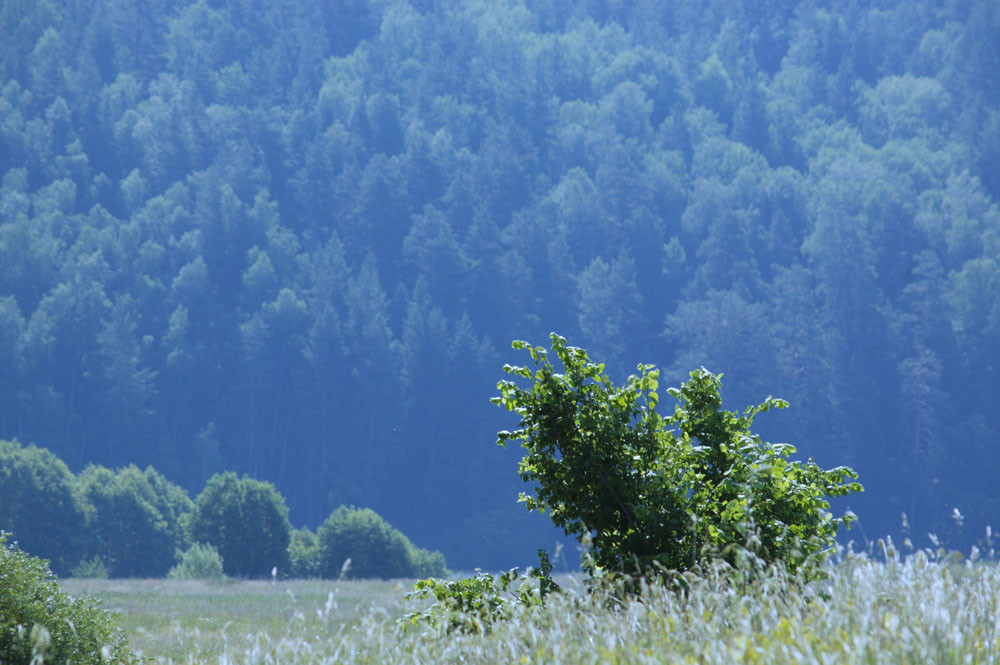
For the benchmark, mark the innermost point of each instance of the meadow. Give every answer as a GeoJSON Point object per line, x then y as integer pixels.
{"type": "Point", "coordinates": [918, 609]}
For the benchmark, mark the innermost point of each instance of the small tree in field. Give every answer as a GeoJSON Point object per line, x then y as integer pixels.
{"type": "Point", "coordinates": [246, 520]}
{"type": "Point", "coordinates": [647, 489]}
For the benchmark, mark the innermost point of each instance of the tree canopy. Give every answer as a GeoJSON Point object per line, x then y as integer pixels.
{"type": "Point", "coordinates": [283, 239]}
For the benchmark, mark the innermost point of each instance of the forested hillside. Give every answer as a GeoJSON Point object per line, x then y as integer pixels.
{"type": "Point", "coordinates": [294, 239]}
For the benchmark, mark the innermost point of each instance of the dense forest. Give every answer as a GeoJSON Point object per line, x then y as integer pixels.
{"type": "Point", "coordinates": [295, 239]}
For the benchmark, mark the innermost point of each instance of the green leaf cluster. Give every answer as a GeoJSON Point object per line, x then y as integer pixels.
{"type": "Point", "coordinates": [474, 604]}
{"type": "Point", "coordinates": [647, 490]}
{"type": "Point", "coordinates": [40, 623]}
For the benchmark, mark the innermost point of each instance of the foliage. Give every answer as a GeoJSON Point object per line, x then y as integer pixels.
{"type": "Point", "coordinates": [219, 251]}
{"type": "Point", "coordinates": [427, 563]}
{"type": "Point", "coordinates": [303, 554]}
{"type": "Point", "coordinates": [41, 623]}
{"type": "Point", "coordinates": [646, 490]}
{"type": "Point", "coordinates": [475, 604]}
{"type": "Point", "coordinates": [134, 519]}
{"type": "Point", "coordinates": [358, 543]}
{"type": "Point", "coordinates": [38, 504]}
{"type": "Point", "coordinates": [198, 562]}
{"type": "Point", "coordinates": [246, 520]}
{"type": "Point", "coordinates": [90, 569]}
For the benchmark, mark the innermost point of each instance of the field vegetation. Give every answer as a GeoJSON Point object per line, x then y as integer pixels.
{"type": "Point", "coordinates": [922, 608]}
{"type": "Point", "coordinates": [182, 620]}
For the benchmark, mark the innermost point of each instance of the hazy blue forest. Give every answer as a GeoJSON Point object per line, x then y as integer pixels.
{"type": "Point", "coordinates": [295, 239]}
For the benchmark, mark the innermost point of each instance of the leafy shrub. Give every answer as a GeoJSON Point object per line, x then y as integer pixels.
{"type": "Point", "coordinates": [303, 554]}
{"type": "Point", "coordinates": [247, 522]}
{"type": "Point", "coordinates": [134, 519]}
{"type": "Point", "coordinates": [648, 490]}
{"type": "Point", "coordinates": [425, 563]}
{"type": "Point", "coordinates": [360, 535]}
{"type": "Point", "coordinates": [474, 604]}
{"type": "Point", "coordinates": [41, 623]}
{"type": "Point", "coordinates": [375, 548]}
{"type": "Point", "coordinates": [198, 562]}
{"type": "Point", "coordinates": [38, 504]}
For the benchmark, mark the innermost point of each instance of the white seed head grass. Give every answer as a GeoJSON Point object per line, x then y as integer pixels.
{"type": "Point", "coordinates": [917, 610]}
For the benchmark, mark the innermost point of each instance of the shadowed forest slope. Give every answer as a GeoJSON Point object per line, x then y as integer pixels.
{"type": "Point", "coordinates": [295, 239]}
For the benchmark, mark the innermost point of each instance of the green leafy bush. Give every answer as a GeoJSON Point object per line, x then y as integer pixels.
{"type": "Point", "coordinates": [90, 569]}
{"type": "Point", "coordinates": [246, 520]}
{"type": "Point", "coordinates": [474, 604]}
{"type": "Point", "coordinates": [38, 504]}
{"type": "Point", "coordinates": [374, 548]}
{"type": "Point", "coordinates": [198, 562]}
{"type": "Point", "coordinates": [41, 623]}
{"type": "Point", "coordinates": [303, 554]}
{"type": "Point", "coordinates": [647, 490]}
{"type": "Point", "coordinates": [134, 519]}
{"type": "Point", "coordinates": [425, 563]}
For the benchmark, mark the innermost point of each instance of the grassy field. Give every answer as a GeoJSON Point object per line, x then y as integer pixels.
{"type": "Point", "coordinates": [180, 620]}
{"type": "Point", "coordinates": [912, 611]}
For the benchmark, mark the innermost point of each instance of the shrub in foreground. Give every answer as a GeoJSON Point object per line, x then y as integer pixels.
{"type": "Point", "coordinates": [374, 548]}
{"type": "Point", "coordinates": [647, 490]}
{"type": "Point", "coordinates": [650, 496]}
{"type": "Point", "coordinates": [474, 604]}
{"type": "Point", "coordinates": [41, 623]}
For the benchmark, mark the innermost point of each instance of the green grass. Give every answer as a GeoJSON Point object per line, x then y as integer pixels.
{"type": "Point", "coordinates": [178, 619]}
{"type": "Point", "coordinates": [913, 611]}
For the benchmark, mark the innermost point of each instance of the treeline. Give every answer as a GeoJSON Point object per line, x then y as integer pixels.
{"type": "Point", "coordinates": [295, 239]}
{"type": "Point", "coordinates": [135, 523]}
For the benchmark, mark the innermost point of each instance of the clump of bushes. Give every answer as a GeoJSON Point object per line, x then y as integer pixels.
{"type": "Point", "coordinates": [135, 523]}
{"type": "Point", "coordinates": [303, 554]}
{"type": "Point", "coordinates": [427, 563]}
{"type": "Point", "coordinates": [39, 505]}
{"type": "Point", "coordinates": [39, 622]}
{"type": "Point", "coordinates": [473, 604]}
{"type": "Point", "coordinates": [133, 519]}
{"type": "Point", "coordinates": [198, 562]}
{"type": "Point", "coordinates": [373, 547]}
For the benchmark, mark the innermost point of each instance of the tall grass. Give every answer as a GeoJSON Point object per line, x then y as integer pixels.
{"type": "Point", "coordinates": [914, 610]}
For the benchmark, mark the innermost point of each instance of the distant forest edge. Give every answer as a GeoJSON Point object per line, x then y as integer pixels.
{"type": "Point", "coordinates": [135, 523]}
{"type": "Point", "coordinates": [294, 239]}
